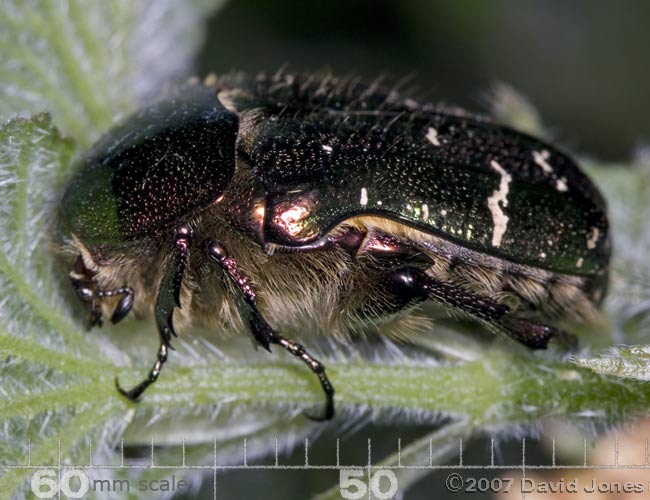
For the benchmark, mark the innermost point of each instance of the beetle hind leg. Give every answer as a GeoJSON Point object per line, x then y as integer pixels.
{"type": "Point", "coordinates": [535, 335]}
{"type": "Point", "coordinates": [415, 282]}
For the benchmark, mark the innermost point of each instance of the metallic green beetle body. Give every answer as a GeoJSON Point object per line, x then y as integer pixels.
{"type": "Point", "coordinates": [338, 203]}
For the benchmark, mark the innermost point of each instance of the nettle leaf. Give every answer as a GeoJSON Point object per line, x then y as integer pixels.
{"type": "Point", "coordinates": [626, 362]}
{"type": "Point", "coordinates": [89, 62]}
{"type": "Point", "coordinates": [49, 369]}
{"type": "Point", "coordinates": [86, 63]}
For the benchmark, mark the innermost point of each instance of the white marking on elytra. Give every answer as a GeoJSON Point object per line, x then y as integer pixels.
{"type": "Point", "coordinates": [409, 207]}
{"type": "Point", "coordinates": [542, 255]}
{"type": "Point", "coordinates": [443, 212]}
{"type": "Point", "coordinates": [327, 148]}
{"type": "Point", "coordinates": [364, 197]}
{"type": "Point", "coordinates": [541, 158]}
{"type": "Point", "coordinates": [561, 184]}
{"type": "Point", "coordinates": [432, 136]}
{"type": "Point", "coordinates": [379, 203]}
{"type": "Point", "coordinates": [498, 200]}
{"type": "Point", "coordinates": [580, 262]}
{"type": "Point", "coordinates": [425, 212]}
{"type": "Point", "coordinates": [593, 238]}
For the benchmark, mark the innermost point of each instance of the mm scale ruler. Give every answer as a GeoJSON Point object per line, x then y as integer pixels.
{"type": "Point", "coordinates": [62, 480]}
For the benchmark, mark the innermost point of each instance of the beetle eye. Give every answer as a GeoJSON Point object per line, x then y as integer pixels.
{"type": "Point", "coordinates": [155, 169]}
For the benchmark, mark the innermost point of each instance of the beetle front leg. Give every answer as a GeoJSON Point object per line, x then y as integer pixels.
{"type": "Point", "coordinates": [263, 332]}
{"type": "Point", "coordinates": [415, 283]}
{"type": "Point", "coordinates": [167, 300]}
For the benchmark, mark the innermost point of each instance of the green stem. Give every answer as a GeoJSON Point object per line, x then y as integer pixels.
{"type": "Point", "coordinates": [502, 388]}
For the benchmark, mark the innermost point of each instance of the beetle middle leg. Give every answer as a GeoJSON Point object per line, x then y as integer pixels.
{"type": "Point", "coordinates": [263, 332]}
{"type": "Point", "coordinates": [167, 300]}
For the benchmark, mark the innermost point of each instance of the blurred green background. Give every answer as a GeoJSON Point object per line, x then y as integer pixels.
{"type": "Point", "coordinates": [583, 63]}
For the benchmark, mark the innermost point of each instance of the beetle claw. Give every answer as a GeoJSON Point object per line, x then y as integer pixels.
{"type": "Point", "coordinates": [132, 395]}
{"type": "Point", "coordinates": [135, 393]}
{"type": "Point", "coordinates": [327, 414]}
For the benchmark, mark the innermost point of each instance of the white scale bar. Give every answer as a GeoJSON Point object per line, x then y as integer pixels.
{"type": "Point", "coordinates": [214, 470]}
{"type": "Point", "coordinates": [523, 466]}
{"type": "Point", "coordinates": [492, 452]}
{"type": "Point", "coordinates": [325, 467]}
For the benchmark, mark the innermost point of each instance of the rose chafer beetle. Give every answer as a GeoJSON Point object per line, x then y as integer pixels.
{"type": "Point", "coordinates": [301, 203]}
